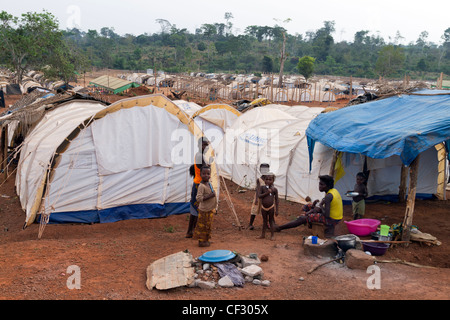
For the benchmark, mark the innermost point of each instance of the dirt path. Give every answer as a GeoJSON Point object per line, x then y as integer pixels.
{"type": "Point", "coordinates": [113, 257]}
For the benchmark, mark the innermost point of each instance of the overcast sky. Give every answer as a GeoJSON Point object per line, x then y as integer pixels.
{"type": "Point", "coordinates": [380, 17]}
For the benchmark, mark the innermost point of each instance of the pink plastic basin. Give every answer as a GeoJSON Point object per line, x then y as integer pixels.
{"type": "Point", "coordinates": [362, 227]}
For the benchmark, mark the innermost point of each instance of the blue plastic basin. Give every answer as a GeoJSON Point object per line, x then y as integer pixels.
{"type": "Point", "coordinates": [217, 256]}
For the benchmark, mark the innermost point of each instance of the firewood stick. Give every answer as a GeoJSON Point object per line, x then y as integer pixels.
{"type": "Point", "coordinates": [318, 266]}
{"type": "Point", "coordinates": [381, 241]}
{"type": "Point", "coordinates": [405, 262]}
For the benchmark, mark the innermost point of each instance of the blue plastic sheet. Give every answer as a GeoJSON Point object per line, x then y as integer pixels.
{"type": "Point", "coordinates": [404, 125]}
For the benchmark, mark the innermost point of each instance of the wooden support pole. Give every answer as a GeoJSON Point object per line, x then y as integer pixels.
{"type": "Point", "coordinates": [315, 90]}
{"type": "Point", "coordinates": [230, 203]}
{"type": "Point", "coordinates": [271, 89]}
{"type": "Point", "coordinates": [440, 81]}
{"type": "Point", "coordinates": [351, 89]}
{"type": "Point", "coordinates": [407, 222]}
{"type": "Point", "coordinates": [402, 188]}
{"type": "Point", "coordinates": [257, 90]}
{"type": "Point", "coordinates": [4, 151]}
{"type": "Point", "coordinates": [442, 169]}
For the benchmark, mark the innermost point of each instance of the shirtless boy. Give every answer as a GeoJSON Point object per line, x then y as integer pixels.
{"type": "Point", "coordinates": [269, 204]}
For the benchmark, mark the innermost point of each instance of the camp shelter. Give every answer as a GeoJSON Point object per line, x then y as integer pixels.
{"type": "Point", "coordinates": [214, 120]}
{"type": "Point", "coordinates": [10, 88]}
{"type": "Point", "coordinates": [385, 136]}
{"type": "Point", "coordinates": [273, 134]}
{"type": "Point", "coordinates": [187, 106]}
{"type": "Point", "coordinates": [129, 160]}
{"type": "Point", "coordinates": [113, 84]}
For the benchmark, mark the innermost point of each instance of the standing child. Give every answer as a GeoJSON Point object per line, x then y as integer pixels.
{"type": "Point", "coordinates": [203, 145]}
{"type": "Point", "coordinates": [358, 202]}
{"type": "Point", "coordinates": [207, 204]}
{"type": "Point", "coordinates": [256, 203]}
{"type": "Point", "coordinates": [269, 204]}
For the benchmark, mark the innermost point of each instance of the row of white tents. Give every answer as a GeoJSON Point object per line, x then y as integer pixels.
{"type": "Point", "coordinates": [32, 80]}
{"type": "Point", "coordinates": [240, 86]}
{"type": "Point", "coordinates": [87, 162]}
{"type": "Point", "coordinates": [275, 134]}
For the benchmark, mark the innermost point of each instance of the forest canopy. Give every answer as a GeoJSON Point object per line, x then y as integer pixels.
{"type": "Point", "coordinates": [215, 48]}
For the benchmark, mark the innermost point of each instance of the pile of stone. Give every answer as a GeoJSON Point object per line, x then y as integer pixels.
{"type": "Point", "coordinates": [242, 270]}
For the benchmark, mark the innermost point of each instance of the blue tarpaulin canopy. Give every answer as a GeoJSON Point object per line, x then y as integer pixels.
{"type": "Point", "coordinates": [403, 125]}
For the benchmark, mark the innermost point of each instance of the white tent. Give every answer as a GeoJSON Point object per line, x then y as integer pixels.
{"type": "Point", "coordinates": [274, 134]}
{"type": "Point", "coordinates": [188, 107]}
{"type": "Point", "coordinates": [384, 177]}
{"type": "Point", "coordinates": [87, 163]}
{"type": "Point", "coordinates": [214, 120]}
{"type": "Point", "coordinates": [40, 145]}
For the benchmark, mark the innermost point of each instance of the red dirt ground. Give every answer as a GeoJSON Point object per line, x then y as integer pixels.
{"type": "Point", "coordinates": [113, 257]}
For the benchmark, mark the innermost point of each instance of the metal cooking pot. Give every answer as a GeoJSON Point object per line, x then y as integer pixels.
{"type": "Point", "coordinates": [346, 242]}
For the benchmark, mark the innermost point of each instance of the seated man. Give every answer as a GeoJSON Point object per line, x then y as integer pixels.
{"type": "Point", "coordinates": [329, 212]}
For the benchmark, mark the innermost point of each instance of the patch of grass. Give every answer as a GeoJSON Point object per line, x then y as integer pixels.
{"type": "Point", "coordinates": [169, 229]}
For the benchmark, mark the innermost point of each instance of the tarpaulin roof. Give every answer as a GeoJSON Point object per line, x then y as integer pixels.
{"type": "Point", "coordinates": [116, 85]}
{"type": "Point", "coordinates": [403, 125]}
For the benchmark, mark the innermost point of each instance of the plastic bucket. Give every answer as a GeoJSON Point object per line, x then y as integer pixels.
{"type": "Point", "coordinates": [384, 230]}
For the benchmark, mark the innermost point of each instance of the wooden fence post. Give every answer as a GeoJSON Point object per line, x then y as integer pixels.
{"type": "Point", "coordinates": [351, 89]}
{"type": "Point", "coordinates": [4, 151]}
{"type": "Point", "coordinates": [271, 89]}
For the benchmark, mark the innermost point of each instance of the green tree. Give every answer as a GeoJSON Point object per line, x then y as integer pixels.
{"type": "Point", "coordinates": [446, 45]}
{"type": "Point", "coordinates": [390, 61]}
{"type": "Point", "coordinates": [209, 30]}
{"type": "Point", "coordinates": [421, 65]}
{"type": "Point", "coordinates": [267, 64]}
{"type": "Point", "coordinates": [305, 66]}
{"type": "Point", "coordinates": [323, 40]}
{"type": "Point", "coordinates": [33, 41]}
{"type": "Point", "coordinates": [201, 46]}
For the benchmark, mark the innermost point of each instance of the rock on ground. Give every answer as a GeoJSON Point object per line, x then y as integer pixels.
{"type": "Point", "coordinates": [252, 271]}
{"type": "Point", "coordinates": [226, 282]}
{"type": "Point", "coordinates": [357, 259]}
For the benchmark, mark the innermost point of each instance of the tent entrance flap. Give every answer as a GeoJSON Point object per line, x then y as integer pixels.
{"type": "Point", "coordinates": [311, 145]}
